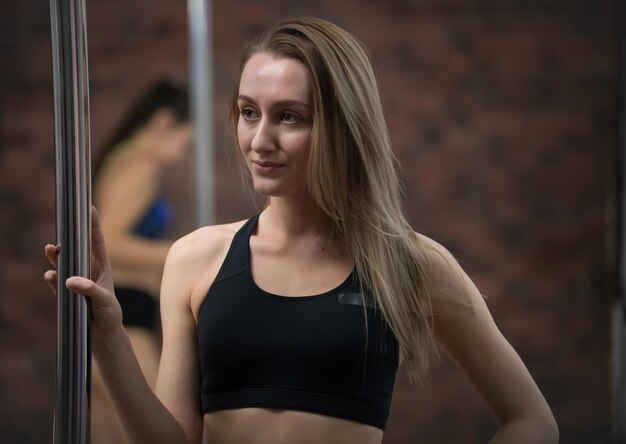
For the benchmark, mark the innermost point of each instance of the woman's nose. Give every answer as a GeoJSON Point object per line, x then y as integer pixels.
{"type": "Point", "coordinates": [264, 138]}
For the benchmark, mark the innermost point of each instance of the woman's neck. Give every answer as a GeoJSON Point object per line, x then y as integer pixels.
{"type": "Point", "coordinates": [297, 216]}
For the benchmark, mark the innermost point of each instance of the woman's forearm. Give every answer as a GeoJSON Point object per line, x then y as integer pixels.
{"type": "Point", "coordinates": [145, 418]}
{"type": "Point", "coordinates": [527, 431]}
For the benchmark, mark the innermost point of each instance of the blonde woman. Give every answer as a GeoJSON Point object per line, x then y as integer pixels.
{"type": "Point", "coordinates": [289, 327]}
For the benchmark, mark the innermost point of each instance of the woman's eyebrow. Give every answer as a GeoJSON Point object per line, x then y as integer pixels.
{"type": "Point", "coordinates": [278, 103]}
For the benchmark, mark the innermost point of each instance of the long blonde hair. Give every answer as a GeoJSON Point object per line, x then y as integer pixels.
{"type": "Point", "coordinates": [352, 175]}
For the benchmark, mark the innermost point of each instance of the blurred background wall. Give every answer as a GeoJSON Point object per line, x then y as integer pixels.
{"type": "Point", "coordinates": [503, 115]}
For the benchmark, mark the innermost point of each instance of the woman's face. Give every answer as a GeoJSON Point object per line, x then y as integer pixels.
{"type": "Point", "coordinates": [275, 122]}
{"type": "Point", "coordinates": [164, 138]}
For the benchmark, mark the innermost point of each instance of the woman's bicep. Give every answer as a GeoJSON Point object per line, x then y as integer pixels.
{"type": "Point", "coordinates": [473, 342]}
{"type": "Point", "coordinates": [178, 381]}
{"type": "Point", "coordinates": [465, 329]}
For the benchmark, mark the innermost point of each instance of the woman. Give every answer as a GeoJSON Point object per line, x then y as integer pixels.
{"type": "Point", "coordinates": [153, 137]}
{"type": "Point", "coordinates": [289, 327]}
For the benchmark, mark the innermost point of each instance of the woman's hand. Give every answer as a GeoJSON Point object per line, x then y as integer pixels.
{"type": "Point", "coordinates": [105, 310]}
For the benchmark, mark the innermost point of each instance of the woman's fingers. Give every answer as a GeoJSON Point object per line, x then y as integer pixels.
{"type": "Point", "coordinates": [97, 238]}
{"type": "Point", "coordinates": [89, 288]}
{"type": "Point", "coordinates": [52, 252]}
{"type": "Point", "coordinates": [105, 310]}
{"type": "Point", "coordinates": [50, 277]}
{"type": "Point", "coordinates": [100, 265]}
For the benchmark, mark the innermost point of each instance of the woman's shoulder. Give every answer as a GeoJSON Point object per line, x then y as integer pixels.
{"type": "Point", "coordinates": [193, 260]}
{"type": "Point", "coordinates": [448, 281]}
{"type": "Point", "coordinates": [438, 258]}
{"type": "Point", "coordinates": [198, 256]}
{"type": "Point", "coordinates": [205, 242]}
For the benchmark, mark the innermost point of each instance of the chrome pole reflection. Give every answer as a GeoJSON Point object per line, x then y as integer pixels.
{"type": "Point", "coordinates": [618, 311]}
{"type": "Point", "coordinates": [73, 200]}
{"type": "Point", "coordinates": [201, 97]}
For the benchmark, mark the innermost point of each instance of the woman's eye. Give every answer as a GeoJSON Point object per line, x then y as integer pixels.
{"type": "Point", "coordinates": [247, 113]}
{"type": "Point", "coordinates": [289, 117]}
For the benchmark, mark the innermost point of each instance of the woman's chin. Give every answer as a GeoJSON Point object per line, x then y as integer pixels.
{"type": "Point", "coordinates": [274, 190]}
{"type": "Point", "coordinates": [269, 192]}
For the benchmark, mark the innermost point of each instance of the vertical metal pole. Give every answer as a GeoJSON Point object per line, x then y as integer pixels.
{"type": "Point", "coordinates": [618, 370]}
{"type": "Point", "coordinates": [618, 315]}
{"type": "Point", "coordinates": [73, 202]}
{"type": "Point", "coordinates": [200, 55]}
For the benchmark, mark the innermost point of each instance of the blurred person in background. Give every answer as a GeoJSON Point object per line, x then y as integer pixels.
{"type": "Point", "coordinates": [154, 136]}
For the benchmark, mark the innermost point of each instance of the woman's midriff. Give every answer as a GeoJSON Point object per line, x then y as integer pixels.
{"type": "Point", "coordinates": [252, 425]}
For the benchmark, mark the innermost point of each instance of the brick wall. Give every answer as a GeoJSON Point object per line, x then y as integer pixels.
{"type": "Point", "coordinates": [503, 115]}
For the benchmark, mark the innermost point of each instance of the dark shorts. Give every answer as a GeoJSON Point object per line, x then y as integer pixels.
{"type": "Point", "coordinates": [139, 309]}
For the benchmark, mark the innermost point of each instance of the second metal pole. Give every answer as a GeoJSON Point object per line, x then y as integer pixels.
{"type": "Point", "coordinates": [201, 92]}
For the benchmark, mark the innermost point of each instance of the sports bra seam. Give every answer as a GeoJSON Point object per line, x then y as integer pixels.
{"type": "Point", "coordinates": [222, 279]}
{"type": "Point", "coordinates": [222, 269]}
{"type": "Point", "coordinates": [303, 392]}
{"type": "Point", "coordinates": [313, 297]}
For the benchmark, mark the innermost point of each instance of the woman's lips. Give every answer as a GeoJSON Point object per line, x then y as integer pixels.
{"type": "Point", "coordinates": [266, 167]}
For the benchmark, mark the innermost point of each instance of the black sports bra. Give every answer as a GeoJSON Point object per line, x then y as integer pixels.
{"type": "Point", "coordinates": [309, 353]}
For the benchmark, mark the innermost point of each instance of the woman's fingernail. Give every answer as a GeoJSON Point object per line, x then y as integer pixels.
{"type": "Point", "coordinates": [72, 282]}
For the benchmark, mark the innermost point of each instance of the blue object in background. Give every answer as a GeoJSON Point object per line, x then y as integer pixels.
{"type": "Point", "coordinates": [155, 221]}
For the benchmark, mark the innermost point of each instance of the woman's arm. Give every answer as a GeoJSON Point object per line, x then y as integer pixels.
{"type": "Point", "coordinates": [178, 381]}
{"type": "Point", "coordinates": [145, 417]}
{"type": "Point", "coordinates": [464, 328]}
